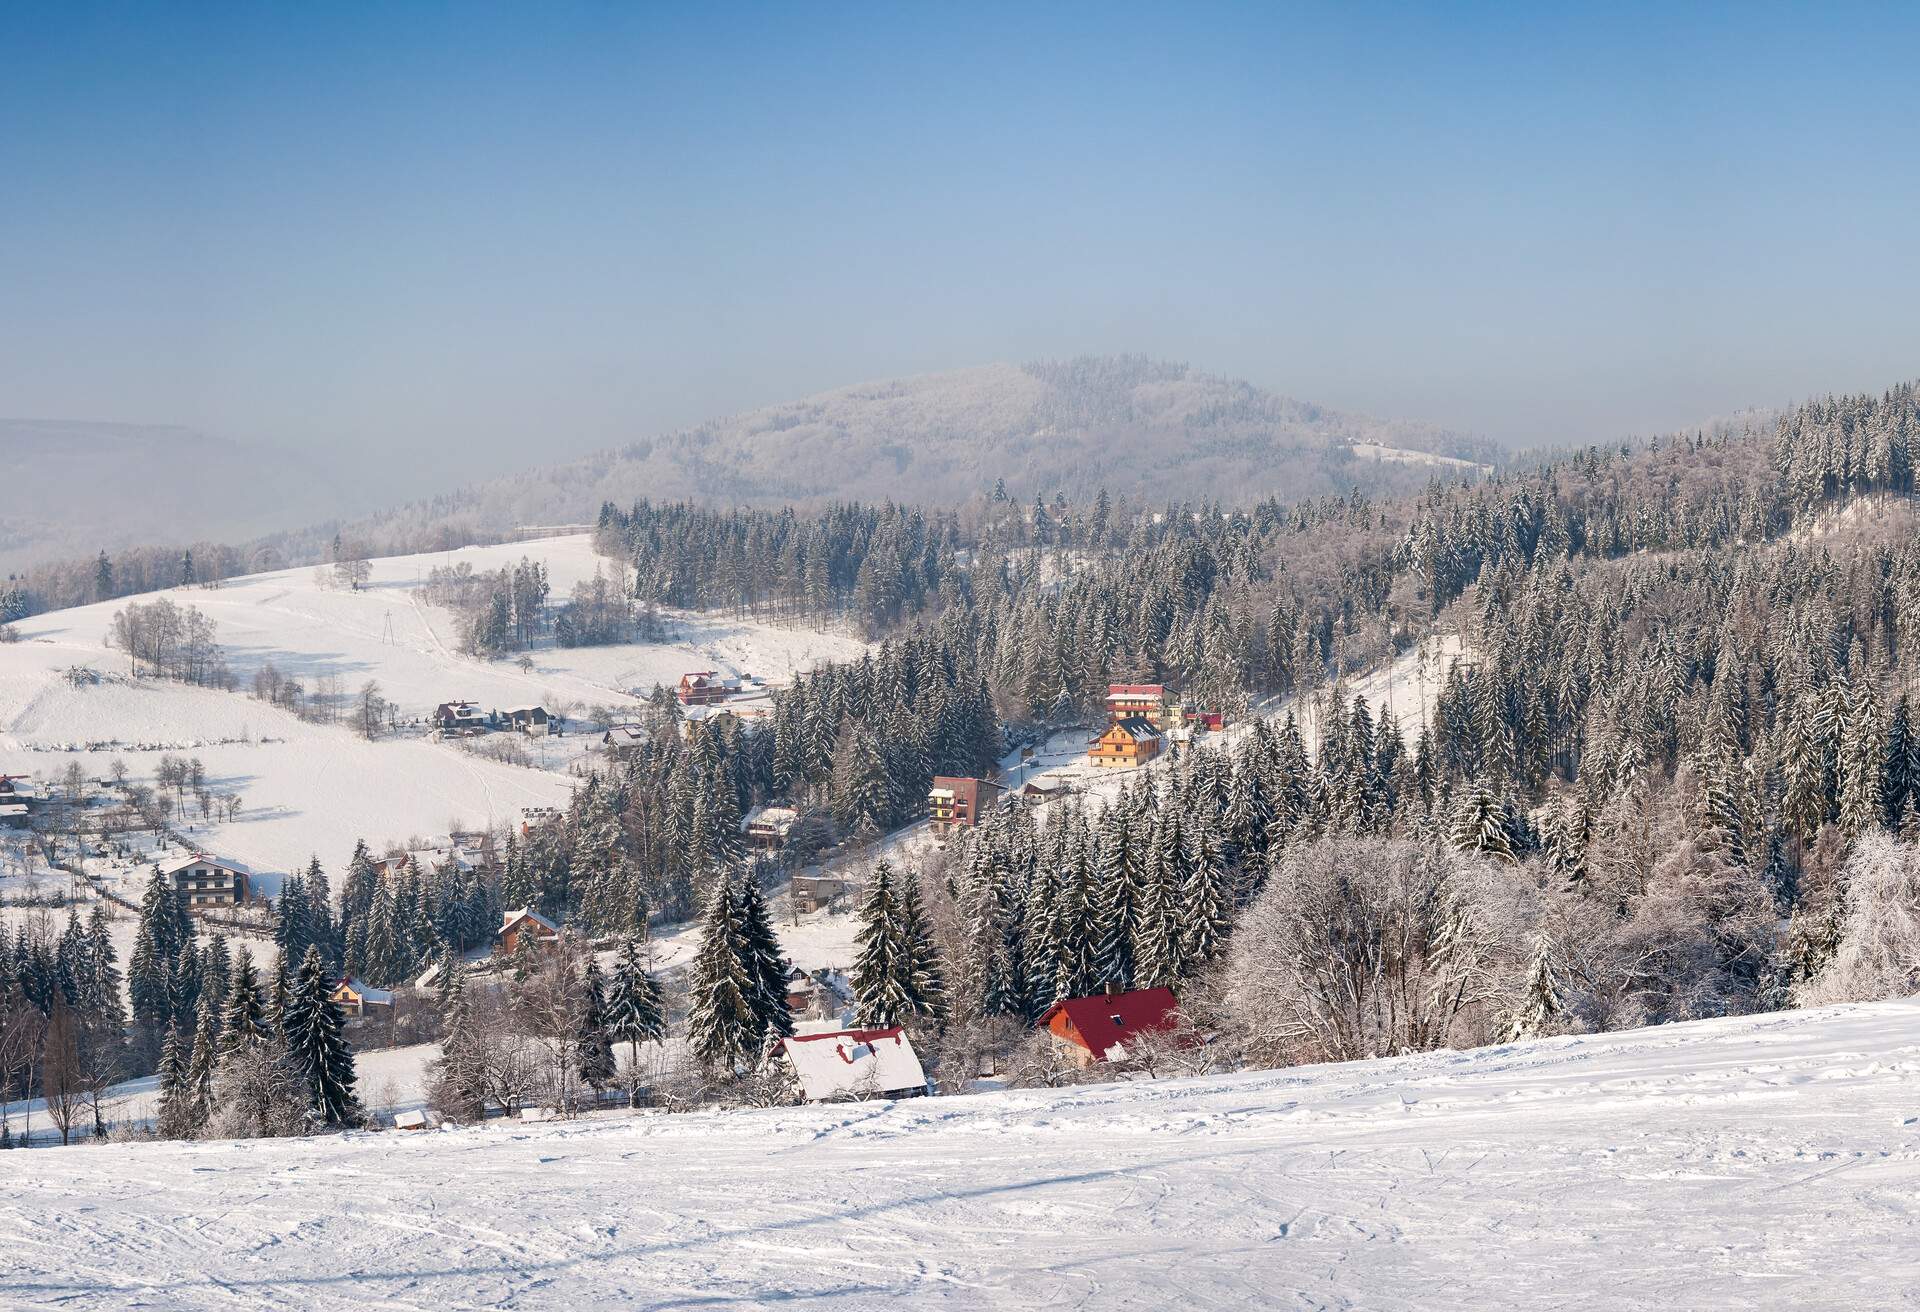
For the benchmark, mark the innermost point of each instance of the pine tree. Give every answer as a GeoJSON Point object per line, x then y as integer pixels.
{"type": "Point", "coordinates": [722, 1030]}
{"type": "Point", "coordinates": [315, 1032]}
{"type": "Point", "coordinates": [592, 1048]}
{"type": "Point", "coordinates": [164, 930]}
{"type": "Point", "coordinates": [175, 1119]}
{"type": "Point", "coordinates": [455, 1082]}
{"type": "Point", "coordinates": [244, 1023]}
{"type": "Point", "coordinates": [198, 1084]}
{"type": "Point", "coordinates": [1540, 1003]}
{"type": "Point", "coordinates": [634, 1011]}
{"type": "Point", "coordinates": [765, 964]}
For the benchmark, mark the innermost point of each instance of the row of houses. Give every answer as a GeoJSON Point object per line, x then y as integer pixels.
{"type": "Point", "coordinates": [467, 719]}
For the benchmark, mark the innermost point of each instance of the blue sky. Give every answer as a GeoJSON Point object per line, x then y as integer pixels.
{"type": "Point", "coordinates": [502, 234]}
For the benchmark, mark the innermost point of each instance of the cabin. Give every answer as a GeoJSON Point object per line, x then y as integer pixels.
{"type": "Point", "coordinates": [1146, 701]}
{"type": "Point", "coordinates": [625, 739]}
{"type": "Point", "coordinates": [524, 925]}
{"type": "Point", "coordinates": [355, 997]}
{"type": "Point", "coordinates": [956, 803]}
{"type": "Point", "coordinates": [1097, 1027]}
{"type": "Point", "coordinates": [820, 993]}
{"type": "Point", "coordinates": [1125, 744]}
{"type": "Point", "coordinates": [845, 1065]}
{"type": "Point", "coordinates": [461, 719]}
{"type": "Point", "coordinates": [766, 827]}
{"type": "Point", "coordinates": [1036, 791]}
{"type": "Point", "coordinates": [412, 1121]}
{"type": "Point", "coordinates": [817, 892]}
{"type": "Point", "coordinates": [530, 720]}
{"type": "Point", "coordinates": [208, 881]}
{"type": "Point", "coordinates": [704, 688]}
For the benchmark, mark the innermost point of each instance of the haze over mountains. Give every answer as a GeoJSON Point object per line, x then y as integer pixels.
{"type": "Point", "coordinates": [1131, 425]}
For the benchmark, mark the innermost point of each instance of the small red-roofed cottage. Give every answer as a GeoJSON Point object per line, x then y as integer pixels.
{"type": "Point", "coordinates": [1097, 1027]}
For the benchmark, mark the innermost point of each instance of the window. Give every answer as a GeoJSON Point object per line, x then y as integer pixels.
{"type": "Point", "coordinates": [1118, 1022]}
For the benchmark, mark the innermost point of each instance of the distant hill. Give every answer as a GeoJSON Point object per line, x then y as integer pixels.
{"type": "Point", "coordinates": [1131, 425]}
{"type": "Point", "coordinates": [70, 488]}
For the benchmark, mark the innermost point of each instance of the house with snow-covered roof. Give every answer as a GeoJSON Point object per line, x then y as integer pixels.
{"type": "Point", "coordinates": [208, 881]}
{"type": "Point", "coordinates": [845, 1065]}
{"type": "Point", "coordinates": [524, 925]}
{"type": "Point", "coordinates": [356, 996]}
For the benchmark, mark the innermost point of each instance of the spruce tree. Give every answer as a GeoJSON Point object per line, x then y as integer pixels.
{"type": "Point", "coordinates": [722, 1030]}
{"type": "Point", "coordinates": [765, 964]}
{"type": "Point", "coordinates": [634, 1011]}
{"type": "Point", "coordinates": [164, 930]}
{"type": "Point", "coordinates": [315, 1032]}
{"type": "Point", "coordinates": [592, 1048]}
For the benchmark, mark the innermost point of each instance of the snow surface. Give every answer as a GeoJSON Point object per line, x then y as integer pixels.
{"type": "Point", "coordinates": [312, 789]}
{"type": "Point", "coordinates": [1762, 1162]}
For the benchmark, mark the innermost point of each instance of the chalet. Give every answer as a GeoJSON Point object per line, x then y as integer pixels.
{"type": "Point", "coordinates": [821, 993]}
{"type": "Point", "coordinates": [705, 687]}
{"type": "Point", "coordinates": [355, 997]}
{"type": "Point", "coordinates": [428, 859]}
{"type": "Point", "coordinates": [766, 827]}
{"type": "Point", "coordinates": [1146, 701]}
{"type": "Point", "coordinates": [531, 720]}
{"type": "Point", "coordinates": [1096, 1028]}
{"type": "Point", "coordinates": [816, 892]}
{"type": "Point", "coordinates": [411, 1121]}
{"type": "Point", "coordinates": [956, 803]}
{"type": "Point", "coordinates": [524, 925]}
{"type": "Point", "coordinates": [852, 1064]}
{"type": "Point", "coordinates": [208, 881]}
{"type": "Point", "coordinates": [1125, 744]}
{"type": "Point", "coordinates": [1036, 791]}
{"type": "Point", "coordinates": [461, 718]}
{"type": "Point", "coordinates": [625, 739]}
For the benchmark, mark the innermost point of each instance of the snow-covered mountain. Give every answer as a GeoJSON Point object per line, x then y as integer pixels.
{"type": "Point", "coordinates": [1762, 1162]}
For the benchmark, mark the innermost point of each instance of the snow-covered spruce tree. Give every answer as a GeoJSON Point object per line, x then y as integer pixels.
{"type": "Point", "coordinates": [592, 1044]}
{"type": "Point", "coordinates": [315, 1032]}
{"type": "Point", "coordinates": [765, 964]}
{"type": "Point", "coordinates": [635, 1014]}
{"type": "Point", "coordinates": [175, 1119]}
{"type": "Point", "coordinates": [896, 977]}
{"type": "Point", "coordinates": [244, 1022]}
{"type": "Point", "coordinates": [201, 1067]}
{"type": "Point", "coordinates": [1540, 1004]}
{"type": "Point", "coordinates": [926, 980]}
{"type": "Point", "coordinates": [1480, 825]}
{"type": "Point", "coordinates": [163, 932]}
{"type": "Point", "coordinates": [722, 1030]}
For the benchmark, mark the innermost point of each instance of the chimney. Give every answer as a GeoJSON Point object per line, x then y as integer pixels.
{"type": "Point", "coordinates": [1109, 990]}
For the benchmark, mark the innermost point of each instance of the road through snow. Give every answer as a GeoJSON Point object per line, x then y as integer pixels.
{"type": "Point", "coordinates": [1754, 1163]}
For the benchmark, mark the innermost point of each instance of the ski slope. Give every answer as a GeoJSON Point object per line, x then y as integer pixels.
{"type": "Point", "coordinates": [1762, 1162]}
{"type": "Point", "coordinates": [313, 788]}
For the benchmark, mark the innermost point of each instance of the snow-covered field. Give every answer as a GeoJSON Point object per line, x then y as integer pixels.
{"type": "Point", "coordinates": [313, 789]}
{"type": "Point", "coordinates": [1766, 1162]}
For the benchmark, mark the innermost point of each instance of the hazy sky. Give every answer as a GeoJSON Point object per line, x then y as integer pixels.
{"type": "Point", "coordinates": [489, 237]}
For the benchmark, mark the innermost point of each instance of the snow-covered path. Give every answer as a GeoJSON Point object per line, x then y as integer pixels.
{"type": "Point", "coordinates": [1763, 1162]}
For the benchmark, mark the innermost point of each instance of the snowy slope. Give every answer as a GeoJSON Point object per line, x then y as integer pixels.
{"type": "Point", "coordinates": [310, 788]}
{"type": "Point", "coordinates": [1767, 1162]}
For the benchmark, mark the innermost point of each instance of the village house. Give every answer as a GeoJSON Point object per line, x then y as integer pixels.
{"type": "Point", "coordinates": [817, 892]}
{"type": "Point", "coordinates": [524, 925]}
{"type": "Point", "coordinates": [766, 827]}
{"type": "Point", "coordinates": [1036, 791]}
{"type": "Point", "coordinates": [821, 994]}
{"type": "Point", "coordinates": [355, 997]}
{"type": "Point", "coordinates": [461, 718]}
{"type": "Point", "coordinates": [1125, 744]}
{"type": "Point", "coordinates": [428, 859]}
{"type": "Point", "coordinates": [705, 687]}
{"type": "Point", "coordinates": [1146, 701]}
{"type": "Point", "coordinates": [1098, 1027]}
{"type": "Point", "coordinates": [625, 739]}
{"type": "Point", "coordinates": [530, 720]}
{"type": "Point", "coordinates": [956, 803]}
{"type": "Point", "coordinates": [17, 800]}
{"type": "Point", "coordinates": [208, 881]}
{"type": "Point", "coordinates": [853, 1064]}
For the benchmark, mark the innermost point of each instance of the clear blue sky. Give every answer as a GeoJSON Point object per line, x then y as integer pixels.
{"type": "Point", "coordinates": [516, 232]}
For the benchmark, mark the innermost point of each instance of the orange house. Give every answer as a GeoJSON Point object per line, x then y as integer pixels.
{"type": "Point", "coordinates": [524, 925]}
{"type": "Point", "coordinates": [1099, 1027]}
{"type": "Point", "coordinates": [1125, 744]}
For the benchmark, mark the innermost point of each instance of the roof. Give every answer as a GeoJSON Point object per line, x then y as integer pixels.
{"type": "Point", "coordinates": [180, 863]}
{"type": "Point", "coordinates": [1134, 727]}
{"type": "Point", "coordinates": [1101, 1021]}
{"type": "Point", "coordinates": [629, 733]}
{"type": "Point", "coordinates": [774, 817]}
{"type": "Point", "coordinates": [365, 992]}
{"type": "Point", "coordinates": [854, 1063]}
{"type": "Point", "coordinates": [512, 918]}
{"type": "Point", "coordinates": [1136, 690]}
{"type": "Point", "coordinates": [526, 710]}
{"type": "Point", "coordinates": [966, 788]}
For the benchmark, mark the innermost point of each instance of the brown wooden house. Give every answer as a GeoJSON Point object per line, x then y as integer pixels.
{"type": "Point", "coordinates": [526, 924]}
{"type": "Point", "coordinates": [1125, 744]}
{"type": "Point", "coordinates": [956, 803]}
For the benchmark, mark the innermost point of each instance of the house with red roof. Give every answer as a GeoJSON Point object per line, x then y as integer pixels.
{"type": "Point", "coordinates": [1099, 1026]}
